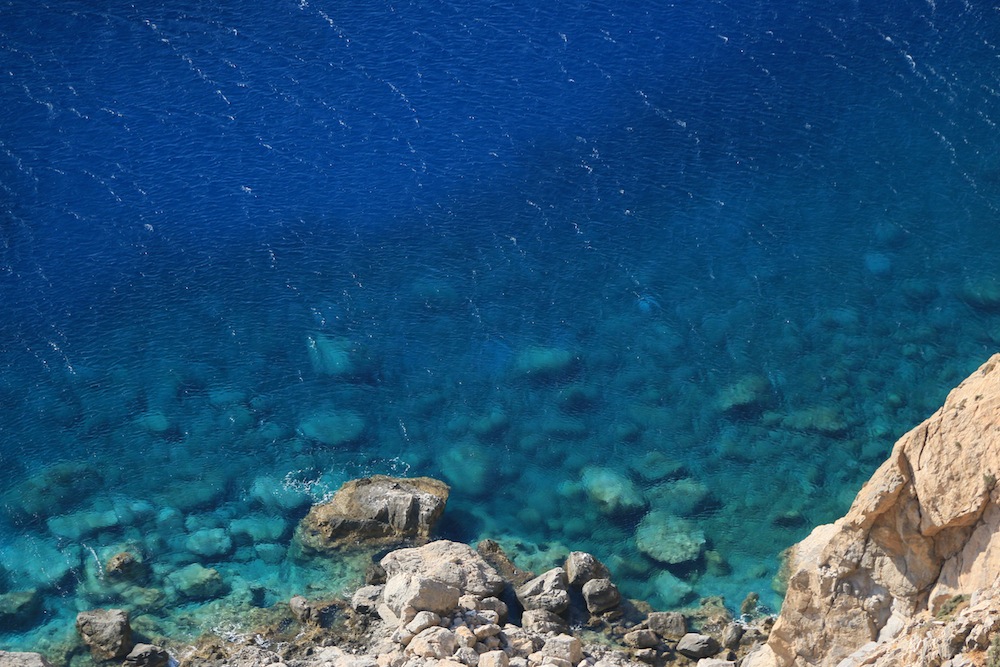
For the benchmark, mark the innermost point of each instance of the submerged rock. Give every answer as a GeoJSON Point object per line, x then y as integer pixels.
{"type": "Point", "coordinates": [197, 582]}
{"type": "Point", "coordinates": [922, 533]}
{"type": "Point", "coordinates": [19, 609]}
{"type": "Point", "coordinates": [374, 511]}
{"type": "Point", "coordinates": [747, 396]}
{"type": "Point", "coordinates": [545, 363]}
{"type": "Point", "coordinates": [611, 491]}
{"type": "Point", "coordinates": [668, 538]}
{"type": "Point", "coordinates": [330, 355]}
{"type": "Point", "coordinates": [333, 428]}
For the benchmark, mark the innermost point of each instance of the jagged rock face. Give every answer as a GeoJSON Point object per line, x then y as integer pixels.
{"type": "Point", "coordinates": [923, 530]}
{"type": "Point", "coordinates": [374, 511]}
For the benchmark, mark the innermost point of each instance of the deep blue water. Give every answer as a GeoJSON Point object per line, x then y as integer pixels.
{"type": "Point", "coordinates": [791, 203]}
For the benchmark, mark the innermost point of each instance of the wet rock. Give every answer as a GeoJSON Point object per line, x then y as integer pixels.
{"type": "Point", "coordinates": [147, 655]}
{"type": "Point", "coordinates": [581, 567]}
{"type": "Point", "coordinates": [125, 566]}
{"type": "Point", "coordinates": [374, 511]}
{"type": "Point", "coordinates": [106, 632]}
{"type": "Point", "coordinates": [695, 646]}
{"type": "Point", "coordinates": [547, 591]}
{"type": "Point", "coordinates": [600, 595]}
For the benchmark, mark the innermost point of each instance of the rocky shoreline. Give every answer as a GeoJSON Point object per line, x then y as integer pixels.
{"type": "Point", "coordinates": [910, 576]}
{"type": "Point", "coordinates": [444, 604]}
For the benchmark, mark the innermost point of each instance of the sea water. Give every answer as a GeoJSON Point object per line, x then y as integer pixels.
{"type": "Point", "coordinates": [626, 275]}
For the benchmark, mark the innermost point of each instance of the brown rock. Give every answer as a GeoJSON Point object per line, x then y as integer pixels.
{"type": "Point", "coordinates": [925, 528]}
{"type": "Point", "coordinates": [546, 591]}
{"type": "Point", "coordinates": [493, 553]}
{"type": "Point", "coordinates": [644, 638]}
{"type": "Point", "coordinates": [581, 567]}
{"type": "Point", "coordinates": [668, 624]}
{"type": "Point", "coordinates": [106, 631]}
{"type": "Point", "coordinates": [374, 511]}
{"type": "Point", "coordinates": [600, 595]}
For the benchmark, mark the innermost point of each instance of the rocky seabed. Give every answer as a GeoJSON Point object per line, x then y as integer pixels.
{"type": "Point", "coordinates": [909, 576]}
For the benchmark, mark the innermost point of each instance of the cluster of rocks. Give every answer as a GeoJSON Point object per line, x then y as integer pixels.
{"type": "Point", "coordinates": [446, 605]}
{"type": "Point", "coordinates": [907, 577]}
{"type": "Point", "coordinates": [441, 604]}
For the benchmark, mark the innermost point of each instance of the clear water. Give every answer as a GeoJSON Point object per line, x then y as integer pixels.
{"type": "Point", "coordinates": [221, 222]}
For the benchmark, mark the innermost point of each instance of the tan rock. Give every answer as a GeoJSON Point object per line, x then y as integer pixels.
{"type": "Point", "coordinates": [924, 529]}
{"type": "Point", "coordinates": [374, 511]}
{"type": "Point", "coordinates": [435, 642]}
{"type": "Point", "coordinates": [451, 563]}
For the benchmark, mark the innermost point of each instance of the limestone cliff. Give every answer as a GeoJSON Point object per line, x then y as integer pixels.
{"type": "Point", "coordinates": [921, 540]}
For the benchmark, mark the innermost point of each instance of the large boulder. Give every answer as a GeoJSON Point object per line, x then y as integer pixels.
{"type": "Point", "coordinates": [547, 591]}
{"type": "Point", "coordinates": [921, 536]}
{"type": "Point", "coordinates": [374, 511]}
{"type": "Point", "coordinates": [106, 631]}
{"type": "Point", "coordinates": [450, 563]}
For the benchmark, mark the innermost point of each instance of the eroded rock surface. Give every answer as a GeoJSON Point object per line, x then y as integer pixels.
{"type": "Point", "coordinates": [374, 511]}
{"type": "Point", "coordinates": [923, 533]}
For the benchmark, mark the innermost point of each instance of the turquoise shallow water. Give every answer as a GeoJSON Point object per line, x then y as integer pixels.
{"type": "Point", "coordinates": [701, 264]}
